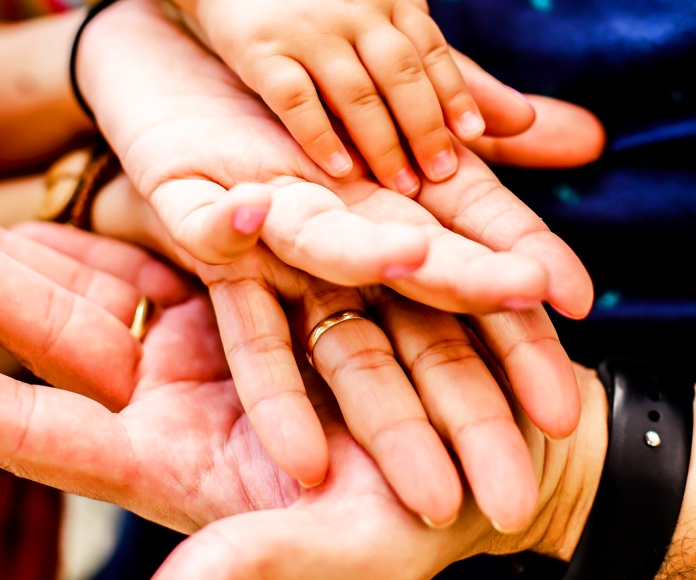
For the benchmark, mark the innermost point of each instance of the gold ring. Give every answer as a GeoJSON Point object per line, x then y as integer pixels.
{"type": "Point", "coordinates": [141, 317]}
{"type": "Point", "coordinates": [327, 323]}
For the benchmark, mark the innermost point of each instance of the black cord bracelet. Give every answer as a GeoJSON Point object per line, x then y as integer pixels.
{"type": "Point", "coordinates": [91, 13]}
{"type": "Point", "coordinates": [642, 485]}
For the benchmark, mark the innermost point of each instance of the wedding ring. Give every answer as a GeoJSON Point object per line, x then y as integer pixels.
{"type": "Point", "coordinates": [329, 322]}
{"type": "Point", "coordinates": [138, 328]}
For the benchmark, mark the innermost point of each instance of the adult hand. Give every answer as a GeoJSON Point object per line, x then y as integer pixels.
{"type": "Point", "coordinates": [180, 449]}
{"type": "Point", "coordinates": [178, 95]}
{"type": "Point", "coordinates": [460, 396]}
{"type": "Point", "coordinates": [350, 527]}
{"type": "Point", "coordinates": [193, 131]}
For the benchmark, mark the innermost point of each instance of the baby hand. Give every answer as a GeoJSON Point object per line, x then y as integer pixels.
{"type": "Point", "coordinates": [381, 66]}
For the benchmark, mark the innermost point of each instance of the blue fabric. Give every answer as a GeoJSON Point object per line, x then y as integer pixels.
{"type": "Point", "coordinates": [630, 216]}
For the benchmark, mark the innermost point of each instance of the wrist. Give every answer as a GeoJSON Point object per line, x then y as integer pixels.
{"type": "Point", "coordinates": [680, 561]}
{"type": "Point", "coordinates": [568, 471]}
{"type": "Point", "coordinates": [574, 467]}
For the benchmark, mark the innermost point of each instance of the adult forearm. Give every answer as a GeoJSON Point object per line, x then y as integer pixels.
{"type": "Point", "coordinates": [38, 113]}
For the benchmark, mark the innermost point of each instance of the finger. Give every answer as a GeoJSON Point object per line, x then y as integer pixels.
{"type": "Point", "coordinates": [412, 100]}
{"type": "Point", "coordinates": [381, 408]}
{"type": "Point", "coordinates": [467, 407]}
{"type": "Point", "coordinates": [258, 346]}
{"type": "Point", "coordinates": [563, 135]}
{"type": "Point", "coordinates": [310, 228]}
{"type": "Point", "coordinates": [505, 111]}
{"type": "Point", "coordinates": [65, 339]}
{"type": "Point", "coordinates": [213, 224]}
{"type": "Point", "coordinates": [350, 92]}
{"type": "Point", "coordinates": [289, 91]}
{"type": "Point", "coordinates": [526, 346]}
{"type": "Point", "coordinates": [114, 295]}
{"type": "Point", "coordinates": [491, 215]}
{"type": "Point", "coordinates": [121, 260]}
{"type": "Point", "coordinates": [458, 105]}
{"type": "Point", "coordinates": [48, 435]}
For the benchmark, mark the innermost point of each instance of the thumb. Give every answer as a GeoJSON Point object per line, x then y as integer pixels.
{"type": "Point", "coordinates": [562, 135]}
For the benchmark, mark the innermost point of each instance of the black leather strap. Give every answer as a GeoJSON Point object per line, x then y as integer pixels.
{"type": "Point", "coordinates": [91, 13]}
{"type": "Point", "coordinates": [642, 486]}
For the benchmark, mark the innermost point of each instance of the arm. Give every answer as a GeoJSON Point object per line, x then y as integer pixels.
{"type": "Point", "coordinates": [221, 114]}
{"type": "Point", "coordinates": [37, 110]}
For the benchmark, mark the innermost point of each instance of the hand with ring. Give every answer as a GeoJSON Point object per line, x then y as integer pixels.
{"type": "Point", "coordinates": [459, 274]}
{"type": "Point", "coordinates": [372, 365]}
{"type": "Point", "coordinates": [176, 445]}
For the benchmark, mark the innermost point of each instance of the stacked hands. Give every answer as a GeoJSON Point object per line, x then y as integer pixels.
{"type": "Point", "coordinates": [443, 391]}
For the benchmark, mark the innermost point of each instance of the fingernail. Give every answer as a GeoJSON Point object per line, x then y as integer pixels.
{"type": "Point", "coordinates": [552, 438]}
{"type": "Point", "coordinates": [433, 526]}
{"type": "Point", "coordinates": [311, 485]}
{"type": "Point", "coordinates": [444, 164]}
{"type": "Point", "coordinates": [567, 314]}
{"type": "Point", "coordinates": [520, 303]}
{"type": "Point", "coordinates": [248, 220]}
{"type": "Point", "coordinates": [339, 163]}
{"type": "Point", "coordinates": [406, 182]}
{"type": "Point", "coordinates": [471, 124]}
{"type": "Point", "coordinates": [393, 271]}
{"type": "Point", "coordinates": [501, 530]}
{"type": "Point", "coordinates": [520, 95]}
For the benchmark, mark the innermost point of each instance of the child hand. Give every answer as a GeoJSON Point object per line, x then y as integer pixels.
{"type": "Point", "coordinates": [381, 66]}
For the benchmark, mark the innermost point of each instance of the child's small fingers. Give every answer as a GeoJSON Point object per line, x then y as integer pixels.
{"type": "Point", "coordinates": [289, 91]}
{"type": "Point", "coordinates": [213, 224]}
{"type": "Point", "coordinates": [458, 105]}
{"type": "Point", "coordinates": [351, 94]}
{"type": "Point", "coordinates": [398, 72]}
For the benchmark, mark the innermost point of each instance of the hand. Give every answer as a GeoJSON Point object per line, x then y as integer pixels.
{"type": "Point", "coordinates": [170, 110]}
{"type": "Point", "coordinates": [351, 528]}
{"type": "Point", "coordinates": [177, 95]}
{"type": "Point", "coordinates": [376, 396]}
{"type": "Point", "coordinates": [382, 67]}
{"type": "Point", "coordinates": [179, 448]}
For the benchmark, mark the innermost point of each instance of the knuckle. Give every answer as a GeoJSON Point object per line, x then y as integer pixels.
{"type": "Point", "coordinates": [443, 352]}
{"type": "Point", "coordinates": [396, 426]}
{"type": "Point", "coordinates": [435, 54]}
{"type": "Point", "coordinates": [360, 361]}
{"type": "Point", "coordinates": [267, 343]}
{"type": "Point", "coordinates": [407, 70]}
{"type": "Point", "coordinates": [465, 428]}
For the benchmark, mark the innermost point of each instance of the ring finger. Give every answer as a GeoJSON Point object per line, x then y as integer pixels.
{"type": "Point", "coordinates": [380, 406]}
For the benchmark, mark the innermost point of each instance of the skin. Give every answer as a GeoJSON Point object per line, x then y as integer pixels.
{"type": "Point", "coordinates": [350, 526]}
{"type": "Point", "coordinates": [468, 419]}
{"type": "Point", "coordinates": [382, 67]}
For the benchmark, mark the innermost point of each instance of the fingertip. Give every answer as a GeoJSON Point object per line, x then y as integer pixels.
{"type": "Point", "coordinates": [419, 468]}
{"type": "Point", "coordinates": [576, 304]}
{"type": "Point", "coordinates": [339, 164]}
{"type": "Point", "coordinates": [407, 183]}
{"type": "Point", "coordinates": [443, 166]}
{"type": "Point", "coordinates": [470, 126]}
{"type": "Point", "coordinates": [247, 220]}
{"type": "Point", "coordinates": [499, 469]}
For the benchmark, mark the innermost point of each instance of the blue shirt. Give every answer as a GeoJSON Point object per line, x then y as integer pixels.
{"type": "Point", "coordinates": [631, 217]}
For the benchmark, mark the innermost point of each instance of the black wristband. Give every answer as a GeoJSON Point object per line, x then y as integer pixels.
{"type": "Point", "coordinates": [91, 13]}
{"type": "Point", "coordinates": [642, 486]}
